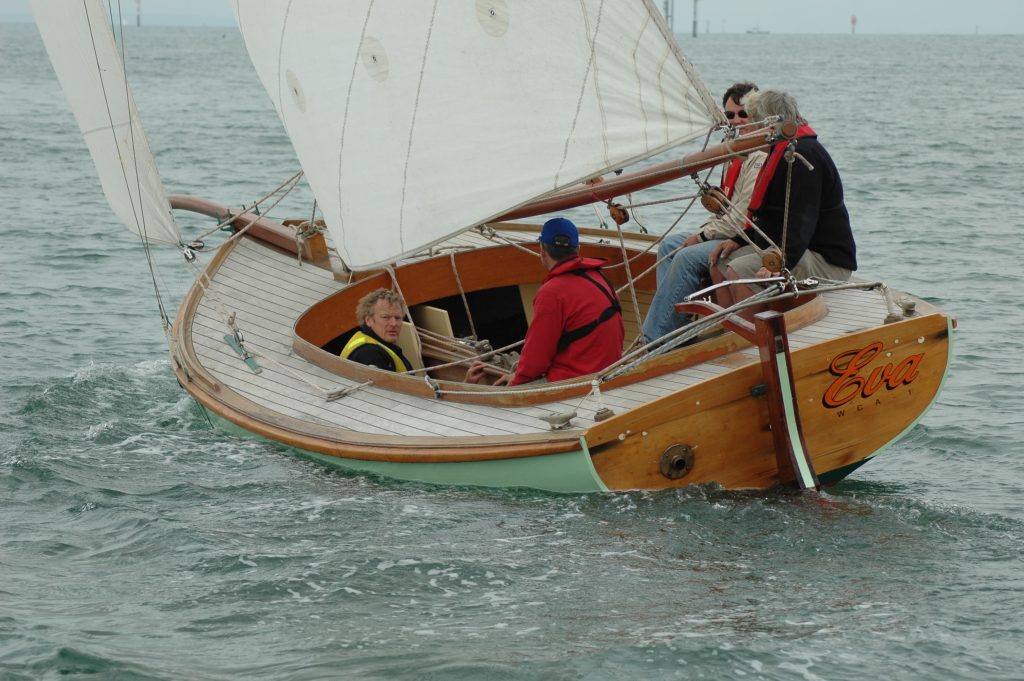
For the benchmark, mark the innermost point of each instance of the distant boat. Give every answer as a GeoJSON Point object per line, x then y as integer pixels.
{"type": "Point", "coordinates": [422, 129]}
{"type": "Point", "coordinates": [756, 30]}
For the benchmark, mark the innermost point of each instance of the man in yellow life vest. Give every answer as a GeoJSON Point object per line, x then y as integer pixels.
{"type": "Point", "coordinates": [375, 343]}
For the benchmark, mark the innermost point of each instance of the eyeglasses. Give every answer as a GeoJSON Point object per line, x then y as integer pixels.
{"type": "Point", "coordinates": [732, 114]}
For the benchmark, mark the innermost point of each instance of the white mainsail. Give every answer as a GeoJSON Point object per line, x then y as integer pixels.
{"type": "Point", "coordinates": [416, 120]}
{"type": "Point", "coordinates": [81, 45]}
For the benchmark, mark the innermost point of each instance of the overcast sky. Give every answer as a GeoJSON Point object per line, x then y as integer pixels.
{"type": "Point", "coordinates": [716, 16]}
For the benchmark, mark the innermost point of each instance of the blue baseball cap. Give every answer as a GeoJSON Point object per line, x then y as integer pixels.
{"type": "Point", "coordinates": [560, 232]}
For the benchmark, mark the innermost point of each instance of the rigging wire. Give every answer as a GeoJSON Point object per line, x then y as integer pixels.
{"type": "Point", "coordinates": [465, 300]}
{"type": "Point", "coordinates": [139, 212]}
{"type": "Point", "coordinates": [231, 218]}
{"type": "Point", "coordinates": [256, 217]}
{"type": "Point", "coordinates": [629, 274]}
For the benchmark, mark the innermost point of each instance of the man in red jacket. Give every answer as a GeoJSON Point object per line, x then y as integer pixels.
{"type": "Point", "coordinates": [577, 320]}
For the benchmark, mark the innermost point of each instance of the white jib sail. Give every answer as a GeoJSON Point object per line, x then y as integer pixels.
{"type": "Point", "coordinates": [417, 120]}
{"type": "Point", "coordinates": [81, 45]}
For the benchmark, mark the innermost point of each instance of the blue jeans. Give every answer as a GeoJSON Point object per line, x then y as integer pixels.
{"type": "Point", "coordinates": [667, 245]}
{"type": "Point", "coordinates": [677, 278]}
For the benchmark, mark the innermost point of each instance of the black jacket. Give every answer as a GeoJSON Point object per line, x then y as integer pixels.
{"type": "Point", "coordinates": [818, 220]}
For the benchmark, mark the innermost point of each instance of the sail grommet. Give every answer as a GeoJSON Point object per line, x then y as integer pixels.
{"type": "Point", "coordinates": [375, 59]}
{"type": "Point", "coordinates": [493, 16]}
{"type": "Point", "coordinates": [676, 461]}
{"type": "Point", "coordinates": [295, 88]}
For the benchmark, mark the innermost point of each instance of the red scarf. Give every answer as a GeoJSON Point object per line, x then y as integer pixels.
{"type": "Point", "coordinates": [729, 177]}
{"type": "Point", "coordinates": [764, 176]}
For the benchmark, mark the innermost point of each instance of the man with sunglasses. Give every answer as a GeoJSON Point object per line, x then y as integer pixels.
{"type": "Point", "coordinates": [798, 204]}
{"type": "Point", "coordinates": [683, 265]}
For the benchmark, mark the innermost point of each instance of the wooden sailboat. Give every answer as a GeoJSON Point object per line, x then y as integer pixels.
{"type": "Point", "coordinates": [420, 147]}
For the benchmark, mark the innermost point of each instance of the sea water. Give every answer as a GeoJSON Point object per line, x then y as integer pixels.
{"type": "Point", "coordinates": [138, 543]}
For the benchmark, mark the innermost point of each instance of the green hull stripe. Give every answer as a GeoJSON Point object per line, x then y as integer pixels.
{"type": "Point", "coordinates": [794, 434]}
{"type": "Point", "coordinates": [565, 472]}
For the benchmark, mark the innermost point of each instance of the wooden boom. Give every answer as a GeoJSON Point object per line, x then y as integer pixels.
{"type": "Point", "coordinates": [648, 177]}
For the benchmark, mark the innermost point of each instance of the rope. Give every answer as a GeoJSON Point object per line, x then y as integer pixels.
{"type": "Point", "coordinates": [661, 238]}
{"type": "Point", "coordinates": [740, 225]}
{"type": "Point", "coordinates": [489, 353]}
{"type": "Point", "coordinates": [408, 313]}
{"type": "Point", "coordinates": [490, 233]}
{"type": "Point", "coordinates": [465, 301]}
{"type": "Point", "coordinates": [629, 275]}
{"type": "Point", "coordinates": [659, 201]}
{"type": "Point", "coordinates": [515, 390]}
{"type": "Point", "coordinates": [595, 392]}
{"type": "Point", "coordinates": [677, 337]}
{"type": "Point", "coordinates": [204, 282]}
{"type": "Point", "coordinates": [231, 218]}
{"type": "Point", "coordinates": [229, 320]}
{"type": "Point", "coordinates": [345, 392]}
{"type": "Point", "coordinates": [790, 150]}
{"type": "Point", "coordinates": [252, 222]}
{"type": "Point", "coordinates": [329, 394]}
{"type": "Point", "coordinates": [138, 213]}
{"type": "Point", "coordinates": [453, 346]}
{"type": "Point", "coordinates": [640, 221]}
{"type": "Point", "coordinates": [300, 233]}
{"type": "Point", "coordinates": [776, 291]}
{"type": "Point", "coordinates": [656, 242]}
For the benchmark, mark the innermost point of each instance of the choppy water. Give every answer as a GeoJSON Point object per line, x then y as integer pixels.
{"type": "Point", "coordinates": [137, 543]}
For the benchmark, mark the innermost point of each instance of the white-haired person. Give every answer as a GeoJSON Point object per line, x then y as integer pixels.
{"type": "Point", "coordinates": [813, 230]}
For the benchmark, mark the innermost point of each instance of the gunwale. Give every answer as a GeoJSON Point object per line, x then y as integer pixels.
{"type": "Point", "coordinates": [209, 371]}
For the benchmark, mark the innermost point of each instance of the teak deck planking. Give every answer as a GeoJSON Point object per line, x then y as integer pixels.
{"type": "Point", "coordinates": [268, 290]}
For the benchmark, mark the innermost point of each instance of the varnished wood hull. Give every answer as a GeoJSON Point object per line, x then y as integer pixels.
{"type": "Point", "coordinates": [859, 385]}
{"type": "Point", "coordinates": [726, 423]}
